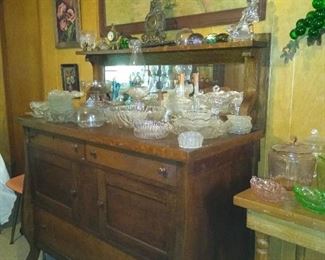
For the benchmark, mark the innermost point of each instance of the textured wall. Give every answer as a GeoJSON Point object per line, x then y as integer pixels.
{"type": "Point", "coordinates": [4, 140]}
{"type": "Point", "coordinates": [52, 57]}
{"type": "Point", "coordinates": [21, 69]}
{"type": "Point", "coordinates": [297, 89]}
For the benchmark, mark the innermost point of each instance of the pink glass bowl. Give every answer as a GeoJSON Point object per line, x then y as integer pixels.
{"type": "Point", "coordinates": [267, 189]}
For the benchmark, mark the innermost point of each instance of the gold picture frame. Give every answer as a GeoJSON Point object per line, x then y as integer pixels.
{"type": "Point", "coordinates": [67, 23]}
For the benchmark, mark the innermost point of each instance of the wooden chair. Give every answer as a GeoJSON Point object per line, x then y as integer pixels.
{"type": "Point", "coordinates": [16, 184]}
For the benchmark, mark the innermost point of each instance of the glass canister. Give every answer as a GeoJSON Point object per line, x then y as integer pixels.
{"type": "Point", "coordinates": [291, 164]}
{"type": "Point", "coordinates": [320, 169]}
{"type": "Point", "coordinates": [317, 144]}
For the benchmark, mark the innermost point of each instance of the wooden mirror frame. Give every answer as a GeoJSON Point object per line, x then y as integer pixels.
{"type": "Point", "coordinates": [203, 20]}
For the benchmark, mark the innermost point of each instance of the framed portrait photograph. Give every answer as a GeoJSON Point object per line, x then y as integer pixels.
{"type": "Point", "coordinates": [67, 23]}
{"type": "Point", "coordinates": [70, 77]}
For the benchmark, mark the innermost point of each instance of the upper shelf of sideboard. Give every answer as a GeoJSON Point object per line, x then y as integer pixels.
{"type": "Point", "coordinates": [223, 52]}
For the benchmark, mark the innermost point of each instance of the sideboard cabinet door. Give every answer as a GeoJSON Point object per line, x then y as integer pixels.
{"type": "Point", "coordinates": [137, 216]}
{"type": "Point", "coordinates": [54, 182]}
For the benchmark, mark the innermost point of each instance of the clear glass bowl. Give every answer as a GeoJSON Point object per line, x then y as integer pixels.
{"type": "Point", "coordinates": [190, 140]}
{"type": "Point", "coordinates": [310, 198]}
{"type": "Point", "coordinates": [149, 129]}
{"type": "Point", "coordinates": [126, 115]}
{"type": "Point", "coordinates": [239, 124]}
{"type": "Point", "coordinates": [267, 189]}
{"type": "Point", "coordinates": [88, 117]}
{"type": "Point", "coordinates": [39, 108]}
{"type": "Point", "coordinates": [211, 128]}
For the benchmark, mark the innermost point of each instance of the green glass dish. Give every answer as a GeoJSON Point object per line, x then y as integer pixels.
{"type": "Point", "coordinates": [310, 198]}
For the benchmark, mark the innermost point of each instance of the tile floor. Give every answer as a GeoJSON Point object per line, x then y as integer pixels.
{"type": "Point", "coordinates": [17, 251]}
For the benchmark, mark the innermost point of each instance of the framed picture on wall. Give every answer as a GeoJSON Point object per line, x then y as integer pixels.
{"type": "Point", "coordinates": [70, 77]}
{"type": "Point", "coordinates": [67, 23]}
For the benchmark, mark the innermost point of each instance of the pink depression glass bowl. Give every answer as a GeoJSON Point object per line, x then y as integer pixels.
{"type": "Point", "coordinates": [267, 189]}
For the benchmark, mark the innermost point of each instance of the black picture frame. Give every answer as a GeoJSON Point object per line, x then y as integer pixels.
{"type": "Point", "coordinates": [70, 77]}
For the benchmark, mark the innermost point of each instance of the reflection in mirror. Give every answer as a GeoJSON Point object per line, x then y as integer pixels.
{"type": "Point", "coordinates": [137, 10]}
{"type": "Point", "coordinates": [190, 13]}
{"type": "Point", "coordinates": [163, 77]}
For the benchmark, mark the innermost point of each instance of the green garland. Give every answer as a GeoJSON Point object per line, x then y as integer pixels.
{"type": "Point", "coordinates": [312, 27]}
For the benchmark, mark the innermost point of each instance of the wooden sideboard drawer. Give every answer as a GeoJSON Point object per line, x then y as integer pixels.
{"type": "Point", "coordinates": [70, 147]}
{"type": "Point", "coordinates": [156, 170]}
{"type": "Point", "coordinates": [71, 242]}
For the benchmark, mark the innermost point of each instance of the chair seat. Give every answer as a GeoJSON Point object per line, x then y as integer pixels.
{"type": "Point", "coordinates": [16, 183]}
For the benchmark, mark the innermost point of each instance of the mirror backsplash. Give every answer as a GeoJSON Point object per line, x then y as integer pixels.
{"type": "Point", "coordinates": [137, 10]}
{"type": "Point", "coordinates": [163, 77]}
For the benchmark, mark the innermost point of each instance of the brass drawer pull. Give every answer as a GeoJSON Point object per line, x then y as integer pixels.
{"type": "Point", "coordinates": [73, 193]}
{"type": "Point", "coordinates": [100, 203]}
{"type": "Point", "coordinates": [75, 147]}
{"type": "Point", "coordinates": [162, 171]}
{"type": "Point", "coordinates": [93, 154]}
{"type": "Point", "coordinates": [43, 226]}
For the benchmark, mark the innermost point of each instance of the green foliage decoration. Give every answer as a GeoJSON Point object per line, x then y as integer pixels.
{"type": "Point", "coordinates": [312, 27]}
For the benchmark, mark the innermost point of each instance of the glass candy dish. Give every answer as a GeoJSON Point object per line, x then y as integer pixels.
{"type": "Point", "coordinates": [88, 117]}
{"type": "Point", "coordinates": [39, 108]}
{"type": "Point", "coordinates": [267, 189]}
{"type": "Point", "coordinates": [150, 129]}
{"type": "Point", "coordinates": [208, 127]}
{"type": "Point", "coordinates": [222, 102]}
{"type": "Point", "coordinates": [310, 198]}
{"type": "Point", "coordinates": [239, 124]}
{"type": "Point", "coordinates": [190, 140]}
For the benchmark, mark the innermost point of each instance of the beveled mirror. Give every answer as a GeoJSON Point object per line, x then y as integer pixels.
{"type": "Point", "coordinates": [180, 14]}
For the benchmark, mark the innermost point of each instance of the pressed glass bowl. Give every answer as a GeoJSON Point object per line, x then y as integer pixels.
{"type": "Point", "coordinates": [211, 128]}
{"type": "Point", "coordinates": [126, 115]}
{"type": "Point", "coordinates": [149, 129]}
{"type": "Point", "coordinates": [39, 108]}
{"type": "Point", "coordinates": [239, 124]}
{"type": "Point", "coordinates": [267, 189]}
{"type": "Point", "coordinates": [190, 140]}
{"type": "Point", "coordinates": [310, 198]}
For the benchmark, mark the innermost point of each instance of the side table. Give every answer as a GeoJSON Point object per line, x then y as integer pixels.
{"type": "Point", "coordinates": [285, 220]}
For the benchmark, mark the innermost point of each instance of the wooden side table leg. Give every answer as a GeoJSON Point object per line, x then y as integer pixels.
{"type": "Point", "coordinates": [300, 253]}
{"type": "Point", "coordinates": [261, 246]}
{"type": "Point", "coordinates": [33, 253]}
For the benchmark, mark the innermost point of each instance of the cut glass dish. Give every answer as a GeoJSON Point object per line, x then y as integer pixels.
{"type": "Point", "coordinates": [149, 129]}
{"type": "Point", "coordinates": [267, 189]}
{"type": "Point", "coordinates": [190, 140]}
{"type": "Point", "coordinates": [310, 198]}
